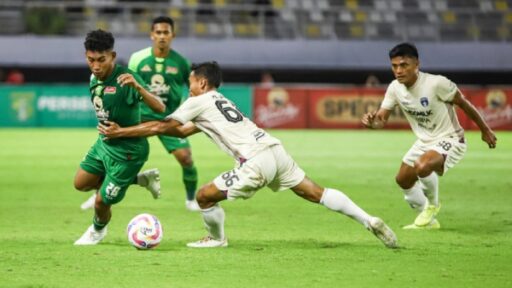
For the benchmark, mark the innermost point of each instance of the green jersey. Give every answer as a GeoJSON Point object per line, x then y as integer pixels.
{"type": "Point", "coordinates": [165, 78]}
{"type": "Point", "coordinates": [121, 105]}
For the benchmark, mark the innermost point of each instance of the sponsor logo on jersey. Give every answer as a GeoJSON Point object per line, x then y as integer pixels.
{"type": "Point", "coordinates": [109, 90]}
{"type": "Point", "coordinates": [424, 101]}
{"type": "Point", "coordinates": [171, 70]}
{"type": "Point", "coordinates": [145, 68]}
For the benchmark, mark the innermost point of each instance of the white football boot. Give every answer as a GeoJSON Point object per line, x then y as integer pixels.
{"type": "Point", "coordinates": [208, 242]}
{"type": "Point", "coordinates": [192, 205]}
{"type": "Point", "coordinates": [89, 203]}
{"type": "Point", "coordinates": [383, 232]}
{"type": "Point", "coordinates": [91, 236]}
{"type": "Point", "coordinates": [150, 179]}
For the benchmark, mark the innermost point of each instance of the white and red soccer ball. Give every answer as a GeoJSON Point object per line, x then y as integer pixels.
{"type": "Point", "coordinates": [144, 231]}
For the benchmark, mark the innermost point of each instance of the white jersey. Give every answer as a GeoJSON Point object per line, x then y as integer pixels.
{"type": "Point", "coordinates": [218, 118]}
{"type": "Point", "coordinates": [427, 106]}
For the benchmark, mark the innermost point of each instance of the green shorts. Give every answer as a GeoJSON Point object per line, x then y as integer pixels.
{"type": "Point", "coordinates": [173, 143]}
{"type": "Point", "coordinates": [118, 175]}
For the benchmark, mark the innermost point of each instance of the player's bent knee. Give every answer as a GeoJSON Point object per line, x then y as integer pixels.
{"type": "Point", "coordinates": [422, 169]}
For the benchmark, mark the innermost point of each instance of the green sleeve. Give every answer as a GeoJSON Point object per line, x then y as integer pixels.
{"type": "Point", "coordinates": [132, 64]}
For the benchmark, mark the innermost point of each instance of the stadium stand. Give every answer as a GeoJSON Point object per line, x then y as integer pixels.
{"type": "Point", "coordinates": [427, 20]}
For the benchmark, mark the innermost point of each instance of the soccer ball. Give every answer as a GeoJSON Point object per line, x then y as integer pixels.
{"type": "Point", "coordinates": [144, 231]}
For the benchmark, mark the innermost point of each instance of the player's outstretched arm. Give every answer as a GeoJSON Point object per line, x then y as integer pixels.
{"type": "Point", "coordinates": [488, 135]}
{"type": "Point", "coordinates": [154, 102]}
{"type": "Point", "coordinates": [376, 119]}
{"type": "Point", "coordinates": [169, 127]}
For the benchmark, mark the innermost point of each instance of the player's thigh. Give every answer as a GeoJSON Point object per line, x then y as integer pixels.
{"type": "Point", "coordinates": [288, 173]}
{"type": "Point", "coordinates": [452, 150]}
{"type": "Point", "coordinates": [244, 180]}
{"type": "Point", "coordinates": [119, 176]}
{"type": "Point", "coordinates": [91, 172]}
{"type": "Point", "coordinates": [430, 161]}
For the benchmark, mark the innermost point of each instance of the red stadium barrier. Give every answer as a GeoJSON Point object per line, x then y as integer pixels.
{"type": "Point", "coordinates": [495, 105]}
{"type": "Point", "coordinates": [312, 107]}
{"type": "Point", "coordinates": [280, 108]}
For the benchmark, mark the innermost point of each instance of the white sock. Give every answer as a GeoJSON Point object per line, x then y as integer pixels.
{"type": "Point", "coordinates": [213, 218]}
{"type": "Point", "coordinates": [415, 197]}
{"type": "Point", "coordinates": [431, 188]}
{"type": "Point", "coordinates": [339, 202]}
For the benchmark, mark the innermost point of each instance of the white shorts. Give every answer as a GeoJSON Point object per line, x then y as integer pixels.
{"type": "Point", "coordinates": [272, 167]}
{"type": "Point", "coordinates": [452, 149]}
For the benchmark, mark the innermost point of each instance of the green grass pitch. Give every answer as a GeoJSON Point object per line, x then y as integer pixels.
{"type": "Point", "coordinates": [276, 239]}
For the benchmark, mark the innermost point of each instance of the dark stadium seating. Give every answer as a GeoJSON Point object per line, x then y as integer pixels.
{"type": "Point", "coordinates": [430, 20]}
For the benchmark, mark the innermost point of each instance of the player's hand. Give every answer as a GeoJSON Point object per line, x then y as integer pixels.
{"type": "Point", "coordinates": [127, 79]}
{"type": "Point", "coordinates": [490, 138]}
{"type": "Point", "coordinates": [109, 129]}
{"type": "Point", "coordinates": [368, 119]}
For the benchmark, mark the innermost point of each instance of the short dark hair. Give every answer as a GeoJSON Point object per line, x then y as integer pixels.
{"type": "Point", "coordinates": [162, 19]}
{"type": "Point", "coordinates": [404, 50]}
{"type": "Point", "coordinates": [99, 40]}
{"type": "Point", "coordinates": [210, 71]}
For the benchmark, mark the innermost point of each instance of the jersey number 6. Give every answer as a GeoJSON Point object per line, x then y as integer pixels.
{"type": "Point", "coordinates": [227, 109]}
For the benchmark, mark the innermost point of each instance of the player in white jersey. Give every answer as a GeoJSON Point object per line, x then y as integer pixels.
{"type": "Point", "coordinates": [262, 160]}
{"type": "Point", "coordinates": [428, 104]}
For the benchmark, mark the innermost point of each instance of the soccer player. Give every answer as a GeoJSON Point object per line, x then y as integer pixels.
{"type": "Point", "coordinates": [166, 72]}
{"type": "Point", "coordinates": [262, 160]}
{"type": "Point", "coordinates": [428, 104]}
{"type": "Point", "coordinates": [111, 166]}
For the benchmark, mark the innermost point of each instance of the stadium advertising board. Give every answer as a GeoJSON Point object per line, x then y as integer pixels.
{"type": "Point", "coordinates": [18, 106]}
{"type": "Point", "coordinates": [65, 106]}
{"type": "Point", "coordinates": [495, 105]}
{"type": "Point", "coordinates": [279, 107]}
{"type": "Point", "coordinates": [344, 107]}
{"type": "Point", "coordinates": [70, 105]}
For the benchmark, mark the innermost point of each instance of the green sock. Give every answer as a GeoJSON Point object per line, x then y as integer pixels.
{"type": "Point", "coordinates": [190, 181]}
{"type": "Point", "coordinates": [97, 225]}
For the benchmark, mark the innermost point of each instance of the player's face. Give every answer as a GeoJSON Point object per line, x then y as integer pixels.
{"type": "Point", "coordinates": [101, 63]}
{"type": "Point", "coordinates": [162, 35]}
{"type": "Point", "coordinates": [405, 69]}
{"type": "Point", "coordinates": [198, 85]}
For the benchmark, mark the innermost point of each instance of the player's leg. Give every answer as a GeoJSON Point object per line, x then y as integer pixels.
{"type": "Point", "coordinates": [180, 148]}
{"type": "Point", "coordinates": [427, 167]}
{"type": "Point", "coordinates": [407, 179]}
{"type": "Point", "coordinates": [337, 201]}
{"type": "Point", "coordinates": [89, 176]}
{"type": "Point", "coordinates": [189, 176]}
{"type": "Point", "coordinates": [213, 216]}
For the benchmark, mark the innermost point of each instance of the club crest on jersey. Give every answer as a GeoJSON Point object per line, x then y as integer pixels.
{"type": "Point", "coordinates": [109, 90]}
{"type": "Point", "coordinates": [145, 68]}
{"type": "Point", "coordinates": [424, 101]}
{"type": "Point", "coordinates": [159, 68]}
{"type": "Point", "coordinates": [171, 70]}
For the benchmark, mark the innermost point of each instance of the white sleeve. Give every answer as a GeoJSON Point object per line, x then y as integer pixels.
{"type": "Point", "coordinates": [446, 89]}
{"type": "Point", "coordinates": [389, 101]}
{"type": "Point", "coordinates": [188, 110]}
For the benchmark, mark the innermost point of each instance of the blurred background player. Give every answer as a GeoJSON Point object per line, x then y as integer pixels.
{"type": "Point", "coordinates": [111, 166]}
{"type": "Point", "coordinates": [166, 72]}
{"type": "Point", "coordinates": [428, 103]}
{"type": "Point", "coordinates": [262, 160]}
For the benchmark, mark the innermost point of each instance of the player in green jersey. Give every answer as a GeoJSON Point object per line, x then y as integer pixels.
{"type": "Point", "coordinates": [166, 72]}
{"type": "Point", "coordinates": [111, 166]}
